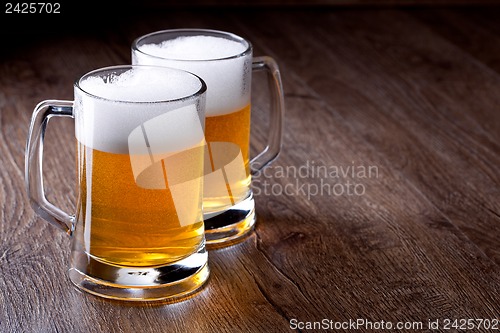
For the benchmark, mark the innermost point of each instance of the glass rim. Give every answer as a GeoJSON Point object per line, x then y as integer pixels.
{"type": "Point", "coordinates": [203, 32]}
{"type": "Point", "coordinates": [197, 93]}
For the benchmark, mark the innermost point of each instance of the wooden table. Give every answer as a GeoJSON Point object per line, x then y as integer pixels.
{"type": "Point", "coordinates": [410, 96]}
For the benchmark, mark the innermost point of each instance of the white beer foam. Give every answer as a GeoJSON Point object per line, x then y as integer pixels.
{"type": "Point", "coordinates": [142, 86]}
{"type": "Point", "coordinates": [228, 80]}
{"type": "Point", "coordinates": [195, 48]}
{"type": "Point", "coordinates": [105, 124]}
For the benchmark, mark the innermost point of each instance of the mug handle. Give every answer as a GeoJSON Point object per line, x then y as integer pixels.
{"type": "Point", "coordinates": [33, 162]}
{"type": "Point", "coordinates": [273, 147]}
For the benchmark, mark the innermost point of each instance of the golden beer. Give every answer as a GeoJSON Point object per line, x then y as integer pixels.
{"type": "Point", "coordinates": [234, 128]}
{"type": "Point", "coordinates": [129, 225]}
{"type": "Point", "coordinates": [138, 230]}
{"type": "Point", "coordinates": [224, 61]}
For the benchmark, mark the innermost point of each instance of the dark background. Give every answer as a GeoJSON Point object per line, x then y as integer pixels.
{"type": "Point", "coordinates": [95, 16]}
{"type": "Point", "coordinates": [94, 19]}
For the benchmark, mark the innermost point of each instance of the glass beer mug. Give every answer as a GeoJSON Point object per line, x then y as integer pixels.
{"type": "Point", "coordinates": [137, 233]}
{"type": "Point", "coordinates": [224, 61]}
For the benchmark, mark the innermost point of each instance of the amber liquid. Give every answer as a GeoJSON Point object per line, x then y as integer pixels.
{"type": "Point", "coordinates": [235, 128]}
{"type": "Point", "coordinates": [124, 224]}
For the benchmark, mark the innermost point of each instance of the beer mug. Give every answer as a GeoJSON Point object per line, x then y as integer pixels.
{"type": "Point", "coordinates": [224, 61]}
{"type": "Point", "coordinates": [137, 233]}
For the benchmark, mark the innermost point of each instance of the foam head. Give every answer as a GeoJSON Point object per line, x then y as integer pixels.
{"type": "Point", "coordinates": [195, 48]}
{"type": "Point", "coordinates": [222, 63]}
{"type": "Point", "coordinates": [142, 85]}
{"type": "Point", "coordinates": [108, 108]}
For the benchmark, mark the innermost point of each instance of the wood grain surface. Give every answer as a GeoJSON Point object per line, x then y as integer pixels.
{"type": "Point", "coordinates": [413, 94]}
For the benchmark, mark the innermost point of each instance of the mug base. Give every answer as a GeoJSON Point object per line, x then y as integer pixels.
{"type": "Point", "coordinates": [167, 283]}
{"type": "Point", "coordinates": [229, 227]}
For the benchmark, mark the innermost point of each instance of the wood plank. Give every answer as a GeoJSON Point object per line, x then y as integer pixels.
{"type": "Point", "coordinates": [373, 78]}
{"type": "Point", "coordinates": [473, 31]}
{"type": "Point", "coordinates": [350, 107]}
{"type": "Point", "coordinates": [363, 88]}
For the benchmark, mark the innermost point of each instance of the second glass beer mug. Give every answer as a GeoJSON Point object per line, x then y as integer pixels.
{"type": "Point", "coordinates": [224, 61]}
{"type": "Point", "coordinates": [137, 233]}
